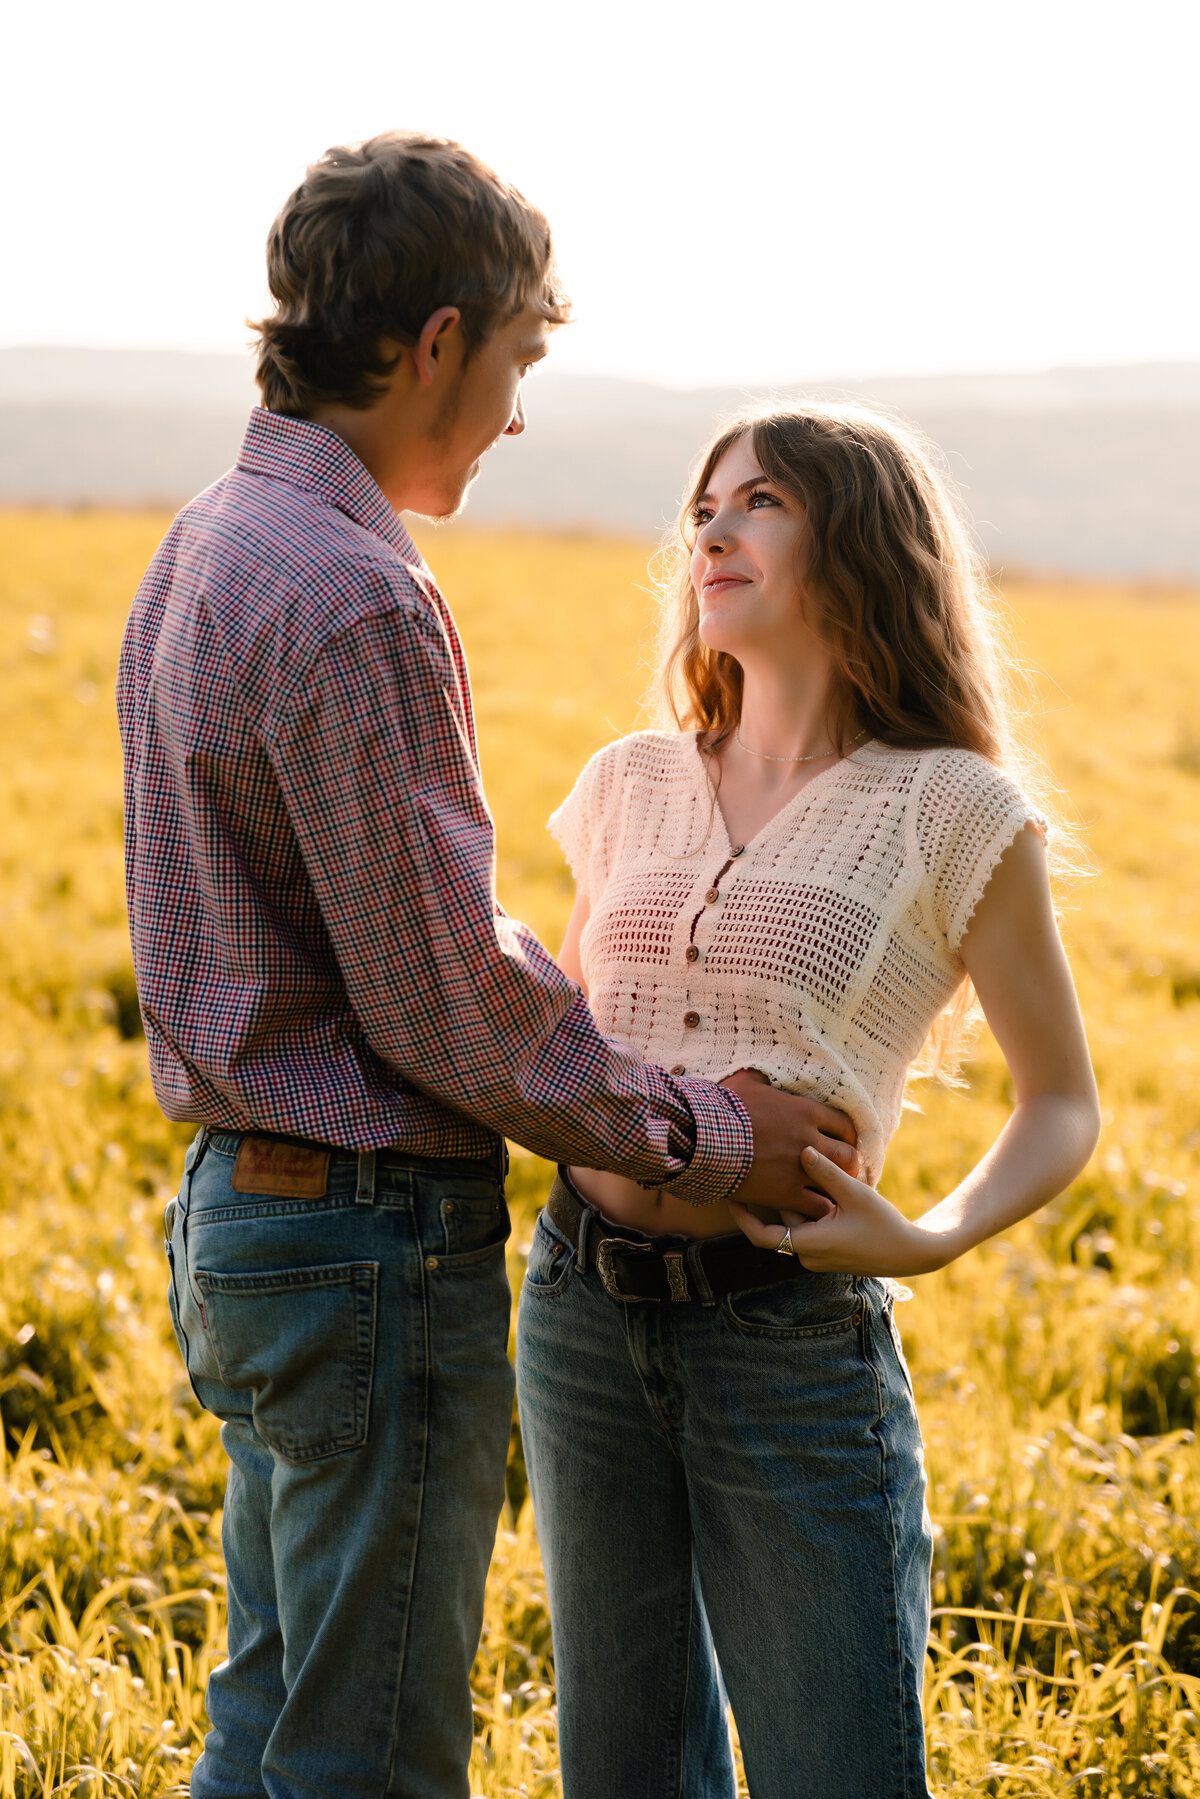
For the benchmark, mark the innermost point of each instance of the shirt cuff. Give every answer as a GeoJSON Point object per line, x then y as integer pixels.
{"type": "Point", "coordinates": [724, 1145]}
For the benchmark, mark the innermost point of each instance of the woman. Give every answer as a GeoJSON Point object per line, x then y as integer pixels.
{"type": "Point", "coordinates": [806, 881]}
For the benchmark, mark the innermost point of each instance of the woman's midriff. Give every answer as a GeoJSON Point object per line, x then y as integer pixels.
{"type": "Point", "coordinates": [654, 1212]}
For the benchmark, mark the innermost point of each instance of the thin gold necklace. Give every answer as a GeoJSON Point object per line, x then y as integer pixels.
{"type": "Point", "coordinates": [814, 757]}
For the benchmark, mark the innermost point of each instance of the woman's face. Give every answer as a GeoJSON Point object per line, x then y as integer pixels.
{"type": "Point", "coordinates": [745, 557]}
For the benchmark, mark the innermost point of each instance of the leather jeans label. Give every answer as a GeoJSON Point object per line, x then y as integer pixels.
{"type": "Point", "coordinates": [281, 1170]}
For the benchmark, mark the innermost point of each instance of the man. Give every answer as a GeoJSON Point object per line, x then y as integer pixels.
{"type": "Point", "coordinates": [331, 991]}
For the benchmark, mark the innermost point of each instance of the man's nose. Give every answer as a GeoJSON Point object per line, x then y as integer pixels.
{"type": "Point", "coordinates": [516, 424]}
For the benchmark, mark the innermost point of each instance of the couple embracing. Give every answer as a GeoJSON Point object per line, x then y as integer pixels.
{"type": "Point", "coordinates": [782, 900]}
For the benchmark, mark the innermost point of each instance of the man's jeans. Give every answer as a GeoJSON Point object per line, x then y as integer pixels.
{"type": "Point", "coordinates": [729, 1490]}
{"type": "Point", "coordinates": [355, 1346]}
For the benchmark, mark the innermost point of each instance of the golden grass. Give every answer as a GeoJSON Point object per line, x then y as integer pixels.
{"type": "Point", "coordinates": [1056, 1368]}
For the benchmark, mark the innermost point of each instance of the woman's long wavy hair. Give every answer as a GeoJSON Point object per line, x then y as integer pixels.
{"type": "Point", "coordinates": [897, 592]}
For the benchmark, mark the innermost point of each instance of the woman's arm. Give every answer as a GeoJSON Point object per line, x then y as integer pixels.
{"type": "Point", "coordinates": [568, 955]}
{"type": "Point", "coordinates": [1014, 956]}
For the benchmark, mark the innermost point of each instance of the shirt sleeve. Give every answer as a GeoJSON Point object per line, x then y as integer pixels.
{"type": "Point", "coordinates": [580, 825]}
{"type": "Point", "coordinates": [374, 757]}
{"type": "Point", "coordinates": [969, 813]}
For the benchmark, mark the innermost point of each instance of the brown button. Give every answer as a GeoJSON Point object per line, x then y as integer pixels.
{"type": "Point", "coordinates": [712, 896]}
{"type": "Point", "coordinates": [679, 1068]}
{"type": "Point", "coordinates": [691, 1019]}
{"type": "Point", "coordinates": [692, 953]}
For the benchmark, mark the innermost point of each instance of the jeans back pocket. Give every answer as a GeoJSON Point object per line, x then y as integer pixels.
{"type": "Point", "coordinates": [303, 1341]}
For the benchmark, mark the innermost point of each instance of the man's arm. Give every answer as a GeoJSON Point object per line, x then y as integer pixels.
{"type": "Point", "coordinates": [374, 759]}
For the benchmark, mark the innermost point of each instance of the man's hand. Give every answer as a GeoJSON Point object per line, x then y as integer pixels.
{"type": "Point", "coordinates": [785, 1125]}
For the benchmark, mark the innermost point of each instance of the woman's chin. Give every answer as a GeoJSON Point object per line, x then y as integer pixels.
{"type": "Point", "coordinates": [720, 627]}
{"type": "Point", "coordinates": [722, 637]}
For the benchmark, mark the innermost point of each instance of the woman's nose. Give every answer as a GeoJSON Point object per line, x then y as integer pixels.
{"type": "Point", "coordinates": [712, 538]}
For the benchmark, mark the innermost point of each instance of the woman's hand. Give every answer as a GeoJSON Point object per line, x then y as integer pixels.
{"type": "Point", "coordinates": [864, 1234]}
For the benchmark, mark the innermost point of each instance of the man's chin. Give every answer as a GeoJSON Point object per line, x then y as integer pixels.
{"type": "Point", "coordinates": [472, 476]}
{"type": "Point", "coordinates": [449, 505]}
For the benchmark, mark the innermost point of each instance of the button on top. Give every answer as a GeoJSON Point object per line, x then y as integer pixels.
{"type": "Point", "coordinates": [679, 1068]}
{"type": "Point", "coordinates": [692, 953]}
{"type": "Point", "coordinates": [712, 896]}
{"type": "Point", "coordinates": [691, 1019]}
{"type": "Point", "coordinates": [740, 850]}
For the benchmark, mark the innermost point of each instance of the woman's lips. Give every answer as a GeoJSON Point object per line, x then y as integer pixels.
{"type": "Point", "coordinates": [719, 583]}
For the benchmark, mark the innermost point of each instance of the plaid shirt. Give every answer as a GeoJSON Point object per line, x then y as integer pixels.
{"type": "Point", "coordinates": [310, 860]}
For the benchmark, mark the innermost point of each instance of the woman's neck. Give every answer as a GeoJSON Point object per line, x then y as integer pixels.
{"type": "Point", "coordinates": [787, 709]}
{"type": "Point", "coordinates": [784, 740]}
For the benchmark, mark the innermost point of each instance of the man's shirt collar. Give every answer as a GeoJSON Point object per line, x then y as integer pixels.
{"type": "Point", "coordinates": [320, 462]}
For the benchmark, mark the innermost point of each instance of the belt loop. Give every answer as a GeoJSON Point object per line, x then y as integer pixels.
{"type": "Point", "coordinates": [696, 1273]}
{"type": "Point", "coordinates": [195, 1148]}
{"type": "Point", "coordinates": [183, 1195]}
{"type": "Point", "coordinates": [365, 1195]}
{"type": "Point", "coordinates": [585, 1224]}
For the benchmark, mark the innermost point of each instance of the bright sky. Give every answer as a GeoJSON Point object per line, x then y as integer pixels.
{"type": "Point", "coordinates": [740, 192]}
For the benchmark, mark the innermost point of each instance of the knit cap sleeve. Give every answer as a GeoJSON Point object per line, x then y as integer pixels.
{"type": "Point", "coordinates": [970, 812]}
{"type": "Point", "coordinates": [579, 824]}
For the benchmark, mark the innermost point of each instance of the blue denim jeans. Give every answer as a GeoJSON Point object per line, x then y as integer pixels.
{"type": "Point", "coordinates": [355, 1347]}
{"type": "Point", "coordinates": [730, 1499]}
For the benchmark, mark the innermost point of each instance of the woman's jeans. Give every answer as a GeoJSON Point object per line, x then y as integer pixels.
{"type": "Point", "coordinates": [729, 1497]}
{"type": "Point", "coordinates": [354, 1342]}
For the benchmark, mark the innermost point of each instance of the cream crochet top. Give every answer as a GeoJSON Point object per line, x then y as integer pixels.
{"type": "Point", "coordinates": [822, 951]}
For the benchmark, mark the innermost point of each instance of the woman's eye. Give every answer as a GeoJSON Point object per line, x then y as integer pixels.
{"type": "Point", "coordinates": [700, 516]}
{"type": "Point", "coordinates": [755, 497]}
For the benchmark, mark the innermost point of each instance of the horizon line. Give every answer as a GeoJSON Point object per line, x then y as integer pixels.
{"type": "Point", "coordinates": [665, 384]}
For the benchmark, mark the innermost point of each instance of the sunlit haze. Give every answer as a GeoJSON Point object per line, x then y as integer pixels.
{"type": "Point", "coordinates": [739, 194]}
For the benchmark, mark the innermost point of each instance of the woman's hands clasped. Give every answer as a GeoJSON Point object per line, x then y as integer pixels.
{"type": "Point", "coordinates": [863, 1234]}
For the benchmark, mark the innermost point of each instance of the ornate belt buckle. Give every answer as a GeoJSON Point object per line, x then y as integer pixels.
{"type": "Point", "coordinates": [605, 1251]}
{"type": "Point", "coordinates": [676, 1275]}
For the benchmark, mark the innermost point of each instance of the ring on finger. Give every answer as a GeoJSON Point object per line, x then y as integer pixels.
{"type": "Point", "coordinates": [785, 1246]}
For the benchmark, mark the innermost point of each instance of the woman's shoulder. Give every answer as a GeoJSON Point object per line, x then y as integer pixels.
{"type": "Point", "coordinates": [641, 758]}
{"type": "Point", "coordinates": [963, 781]}
{"type": "Point", "coordinates": [613, 797]}
{"type": "Point", "coordinates": [940, 775]}
{"type": "Point", "coordinates": [967, 812]}
{"type": "Point", "coordinates": [651, 755]}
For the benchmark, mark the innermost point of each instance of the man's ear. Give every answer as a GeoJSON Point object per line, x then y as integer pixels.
{"type": "Point", "coordinates": [437, 334]}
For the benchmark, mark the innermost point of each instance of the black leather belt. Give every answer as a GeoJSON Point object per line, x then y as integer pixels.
{"type": "Point", "coordinates": [633, 1267]}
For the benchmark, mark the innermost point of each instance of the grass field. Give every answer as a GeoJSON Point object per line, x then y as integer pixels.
{"type": "Point", "coordinates": [1056, 1369]}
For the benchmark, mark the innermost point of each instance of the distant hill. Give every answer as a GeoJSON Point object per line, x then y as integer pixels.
{"type": "Point", "coordinates": [1091, 471]}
